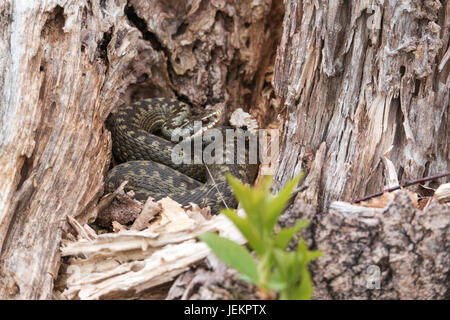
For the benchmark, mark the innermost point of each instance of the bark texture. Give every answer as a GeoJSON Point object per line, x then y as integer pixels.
{"type": "Point", "coordinates": [369, 79]}
{"type": "Point", "coordinates": [397, 252]}
{"type": "Point", "coordinates": [66, 65]}
{"type": "Point", "coordinates": [359, 85]}
{"type": "Point", "coordinates": [57, 87]}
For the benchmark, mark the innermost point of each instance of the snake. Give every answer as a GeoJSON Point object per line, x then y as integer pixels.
{"type": "Point", "coordinates": [141, 142]}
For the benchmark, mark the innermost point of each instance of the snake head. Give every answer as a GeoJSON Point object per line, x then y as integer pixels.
{"type": "Point", "coordinates": [198, 125]}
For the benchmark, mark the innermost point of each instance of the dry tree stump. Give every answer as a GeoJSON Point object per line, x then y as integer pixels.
{"type": "Point", "coordinates": [357, 89]}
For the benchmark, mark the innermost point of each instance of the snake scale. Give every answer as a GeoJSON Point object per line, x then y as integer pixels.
{"type": "Point", "coordinates": [141, 141]}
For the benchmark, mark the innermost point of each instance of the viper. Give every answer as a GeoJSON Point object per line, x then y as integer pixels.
{"type": "Point", "coordinates": [142, 140]}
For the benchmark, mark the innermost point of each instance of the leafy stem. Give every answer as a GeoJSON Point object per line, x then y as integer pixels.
{"type": "Point", "coordinates": [274, 269]}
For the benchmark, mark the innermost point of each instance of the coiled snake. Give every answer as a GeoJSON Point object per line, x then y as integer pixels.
{"type": "Point", "coordinates": [148, 165]}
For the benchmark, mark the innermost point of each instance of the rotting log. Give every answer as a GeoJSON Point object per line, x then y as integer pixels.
{"type": "Point", "coordinates": [65, 65]}
{"type": "Point", "coordinates": [358, 85]}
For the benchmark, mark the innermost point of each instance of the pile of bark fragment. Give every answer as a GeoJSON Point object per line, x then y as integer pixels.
{"type": "Point", "coordinates": [136, 251]}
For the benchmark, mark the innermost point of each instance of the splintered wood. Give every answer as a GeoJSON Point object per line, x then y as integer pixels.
{"type": "Point", "coordinates": [129, 262]}
{"type": "Point", "coordinates": [442, 193]}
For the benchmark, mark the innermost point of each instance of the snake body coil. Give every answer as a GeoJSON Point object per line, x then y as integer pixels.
{"type": "Point", "coordinates": [147, 157]}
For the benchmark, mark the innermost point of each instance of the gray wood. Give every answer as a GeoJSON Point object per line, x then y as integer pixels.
{"type": "Point", "coordinates": [367, 80]}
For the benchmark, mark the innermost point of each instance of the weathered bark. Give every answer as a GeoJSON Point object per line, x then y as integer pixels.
{"type": "Point", "coordinates": [57, 87]}
{"type": "Point", "coordinates": [350, 93]}
{"type": "Point", "coordinates": [66, 65]}
{"type": "Point", "coordinates": [218, 282]}
{"type": "Point", "coordinates": [369, 79]}
{"type": "Point", "coordinates": [397, 252]}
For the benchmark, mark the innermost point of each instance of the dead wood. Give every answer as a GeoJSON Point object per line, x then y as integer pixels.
{"type": "Point", "coordinates": [360, 90]}
{"type": "Point", "coordinates": [66, 67]}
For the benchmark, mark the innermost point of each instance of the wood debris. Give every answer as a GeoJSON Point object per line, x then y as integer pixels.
{"type": "Point", "coordinates": [124, 210]}
{"type": "Point", "coordinates": [239, 118]}
{"type": "Point", "coordinates": [383, 200]}
{"type": "Point", "coordinates": [150, 209]}
{"type": "Point", "coordinates": [442, 194]}
{"type": "Point", "coordinates": [127, 263]}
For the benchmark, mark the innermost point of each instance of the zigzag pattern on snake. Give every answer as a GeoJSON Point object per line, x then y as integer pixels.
{"type": "Point", "coordinates": [148, 165]}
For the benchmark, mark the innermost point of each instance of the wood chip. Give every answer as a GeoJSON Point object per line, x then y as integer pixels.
{"type": "Point", "coordinates": [117, 265]}
{"type": "Point", "coordinates": [150, 209]}
{"type": "Point", "coordinates": [442, 194]}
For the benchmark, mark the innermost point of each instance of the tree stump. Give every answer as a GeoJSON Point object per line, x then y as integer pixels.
{"type": "Point", "coordinates": [357, 88]}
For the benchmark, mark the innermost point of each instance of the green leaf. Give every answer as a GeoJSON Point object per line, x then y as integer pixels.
{"type": "Point", "coordinates": [284, 236]}
{"type": "Point", "coordinates": [265, 267]}
{"type": "Point", "coordinates": [276, 281]}
{"type": "Point", "coordinates": [233, 254]}
{"type": "Point", "coordinates": [286, 265]}
{"type": "Point", "coordinates": [293, 269]}
{"type": "Point", "coordinates": [277, 204]}
{"type": "Point", "coordinates": [247, 230]}
{"type": "Point", "coordinates": [282, 264]}
{"type": "Point", "coordinates": [275, 269]}
{"type": "Point", "coordinates": [304, 290]}
{"type": "Point", "coordinates": [302, 258]}
{"type": "Point", "coordinates": [250, 200]}
{"type": "Point", "coordinates": [302, 249]}
{"type": "Point", "coordinates": [313, 255]}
